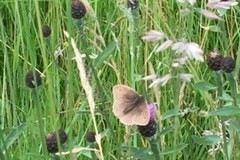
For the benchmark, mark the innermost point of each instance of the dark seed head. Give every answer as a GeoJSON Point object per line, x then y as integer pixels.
{"type": "Point", "coordinates": [133, 4]}
{"type": "Point", "coordinates": [78, 9]}
{"type": "Point", "coordinates": [46, 30]}
{"type": "Point", "coordinates": [62, 136]}
{"type": "Point", "coordinates": [51, 140]}
{"type": "Point", "coordinates": [149, 130]}
{"type": "Point", "coordinates": [228, 64]}
{"type": "Point", "coordinates": [90, 136]}
{"type": "Point", "coordinates": [33, 79]}
{"type": "Point", "coordinates": [214, 61]}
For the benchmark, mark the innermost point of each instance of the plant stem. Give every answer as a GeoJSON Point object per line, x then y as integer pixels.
{"type": "Point", "coordinates": [41, 127]}
{"type": "Point", "coordinates": [219, 84]}
{"type": "Point", "coordinates": [154, 148]}
{"type": "Point", "coordinates": [232, 87]}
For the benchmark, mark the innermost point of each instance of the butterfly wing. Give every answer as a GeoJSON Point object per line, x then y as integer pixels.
{"type": "Point", "coordinates": [120, 92]}
{"type": "Point", "coordinates": [138, 116]}
{"type": "Point", "coordinates": [123, 100]}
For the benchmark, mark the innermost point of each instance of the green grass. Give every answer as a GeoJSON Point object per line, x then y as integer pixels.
{"type": "Point", "coordinates": [114, 53]}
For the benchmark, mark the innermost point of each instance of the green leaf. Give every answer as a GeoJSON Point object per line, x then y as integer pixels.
{"type": "Point", "coordinates": [138, 153]}
{"type": "Point", "coordinates": [204, 86]}
{"type": "Point", "coordinates": [226, 97]}
{"type": "Point", "coordinates": [214, 28]}
{"type": "Point", "coordinates": [14, 134]}
{"type": "Point", "coordinates": [104, 55]}
{"type": "Point", "coordinates": [235, 125]}
{"type": "Point", "coordinates": [166, 130]}
{"type": "Point", "coordinates": [225, 111]}
{"type": "Point", "coordinates": [171, 113]}
{"type": "Point", "coordinates": [174, 149]}
{"type": "Point", "coordinates": [206, 140]}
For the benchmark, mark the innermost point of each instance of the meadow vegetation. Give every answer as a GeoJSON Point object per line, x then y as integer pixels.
{"type": "Point", "coordinates": [61, 59]}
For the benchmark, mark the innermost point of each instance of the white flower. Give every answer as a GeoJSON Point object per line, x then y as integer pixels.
{"type": "Point", "coordinates": [153, 35]}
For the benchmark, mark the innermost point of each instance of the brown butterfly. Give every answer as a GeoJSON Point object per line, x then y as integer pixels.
{"type": "Point", "coordinates": [129, 107]}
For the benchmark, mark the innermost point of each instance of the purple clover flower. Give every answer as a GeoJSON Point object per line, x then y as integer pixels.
{"type": "Point", "coordinates": [150, 129]}
{"type": "Point", "coordinates": [151, 107]}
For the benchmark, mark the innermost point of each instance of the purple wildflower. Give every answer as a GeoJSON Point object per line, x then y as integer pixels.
{"type": "Point", "coordinates": [150, 129]}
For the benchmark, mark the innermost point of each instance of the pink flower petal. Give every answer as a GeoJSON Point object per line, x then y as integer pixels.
{"type": "Point", "coordinates": [152, 110]}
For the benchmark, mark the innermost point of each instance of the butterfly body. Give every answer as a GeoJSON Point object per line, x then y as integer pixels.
{"type": "Point", "coordinates": [129, 107]}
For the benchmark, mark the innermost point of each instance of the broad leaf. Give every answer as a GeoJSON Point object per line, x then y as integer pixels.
{"type": "Point", "coordinates": [226, 111]}
{"type": "Point", "coordinates": [14, 134]}
{"type": "Point", "coordinates": [171, 113]}
{"type": "Point", "coordinates": [235, 125]}
{"type": "Point", "coordinates": [206, 140]}
{"type": "Point", "coordinates": [166, 130]}
{"type": "Point", "coordinates": [138, 153]}
{"type": "Point", "coordinates": [104, 55]}
{"type": "Point", "coordinates": [174, 149]}
{"type": "Point", "coordinates": [204, 86]}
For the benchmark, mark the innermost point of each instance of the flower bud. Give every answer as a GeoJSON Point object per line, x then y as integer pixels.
{"type": "Point", "coordinates": [228, 64]}
{"type": "Point", "coordinates": [214, 61]}
{"type": "Point", "coordinates": [51, 140]}
{"type": "Point", "coordinates": [78, 9]}
{"type": "Point", "coordinates": [149, 130]}
{"type": "Point", "coordinates": [46, 30]}
{"type": "Point", "coordinates": [33, 79]}
{"type": "Point", "coordinates": [90, 136]}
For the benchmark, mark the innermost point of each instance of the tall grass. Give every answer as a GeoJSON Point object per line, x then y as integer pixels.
{"type": "Point", "coordinates": [108, 39]}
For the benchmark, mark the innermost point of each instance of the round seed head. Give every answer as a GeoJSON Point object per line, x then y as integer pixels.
{"type": "Point", "coordinates": [33, 79]}
{"type": "Point", "coordinates": [62, 136]}
{"type": "Point", "coordinates": [51, 141]}
{"type": "Point", "coordinates": [90, 136]}
{"type": "Point", "coordinates": [78, 9]}
{"type": "Point", "coordinates": [149, 130]}
{"type": "Point", "coordinates": [214, 61]}
{"type": "Point", "coordinates": [133, 4]}
{"type": "Point", "coordinates": [228, 64]}
{"type": "Point", "coordinates": [46, 30]}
